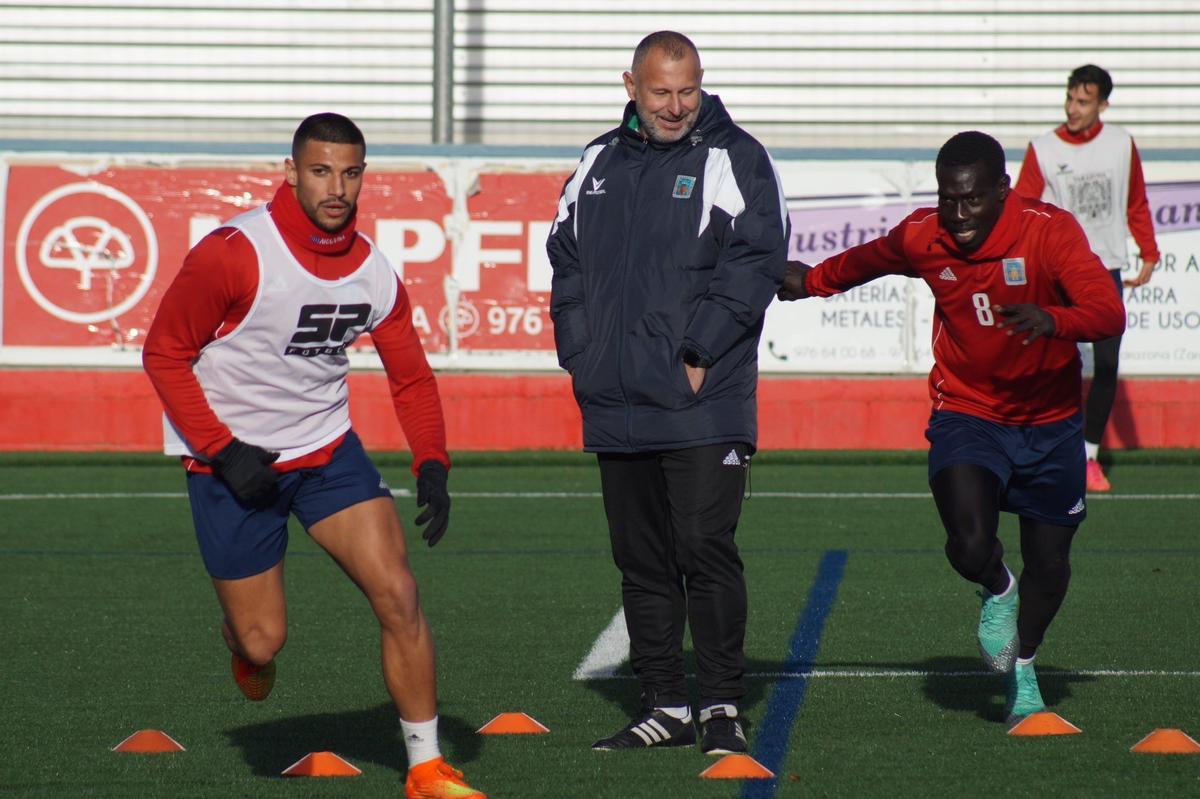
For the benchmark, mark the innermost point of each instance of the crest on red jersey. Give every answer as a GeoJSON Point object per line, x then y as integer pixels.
{"type": "Point", "coordinates": [1014, 271]}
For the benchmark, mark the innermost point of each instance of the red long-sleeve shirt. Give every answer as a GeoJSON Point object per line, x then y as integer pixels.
{"type": "Point", "coordinates": [213, 292]}
{"type": "Point", "coordinates": [1037, 253]}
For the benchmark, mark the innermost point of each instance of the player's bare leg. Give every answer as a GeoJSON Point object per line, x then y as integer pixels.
{"type": "Point", "coordinates": [968, 499]}
{"type": "Point", "coordinates": [367, 542]}
{"type": "Point", "coordinates": [254, 627]}
{"type": "Point", "coordinates": [1046, 550]}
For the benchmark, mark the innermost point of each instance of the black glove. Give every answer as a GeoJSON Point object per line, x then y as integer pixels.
{"type": "Point", "coordinates": [431, 492]}
{"type": "Point", "coordinates": [246, 469]}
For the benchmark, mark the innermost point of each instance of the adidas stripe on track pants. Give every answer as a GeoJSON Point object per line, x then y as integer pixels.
{"type": "Point", "coordinates": [672, 516]}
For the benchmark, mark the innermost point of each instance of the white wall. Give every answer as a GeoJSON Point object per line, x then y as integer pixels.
{"type": "Point", "coordinates": [825, 73]}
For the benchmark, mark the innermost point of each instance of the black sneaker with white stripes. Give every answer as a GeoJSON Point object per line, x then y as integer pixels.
{"type": "Point", "coordinates": [720, 731]}
{"type": "Point", "coordinates": [656, 728]}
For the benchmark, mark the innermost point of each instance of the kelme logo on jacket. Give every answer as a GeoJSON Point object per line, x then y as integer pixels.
{"type": "Point", "coordinates": [596, 186]}
{"type": "Point", "coordinates": [683, 187]}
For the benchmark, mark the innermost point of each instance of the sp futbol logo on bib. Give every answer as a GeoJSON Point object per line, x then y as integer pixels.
{"type": "Point", "coordinates": [683, 187]}
{"type": "Point", "coordinates": [1014, 271]}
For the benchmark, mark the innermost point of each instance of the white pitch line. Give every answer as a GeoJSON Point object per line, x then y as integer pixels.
{"type": "Point", "coordinates": [113, 495]}
{"type": "Point", "coordinates": [892, 674]}
{"type": "Point", "coordinates": [404, 492]}
{"type": "Point", "coordinates": [610, 650]}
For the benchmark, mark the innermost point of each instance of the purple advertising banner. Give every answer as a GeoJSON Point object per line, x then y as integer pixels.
{"type": "Point", "coordinates": [884, 326]}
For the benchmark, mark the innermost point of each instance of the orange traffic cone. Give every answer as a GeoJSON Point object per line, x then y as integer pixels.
{"type": "Point", "coordinates": [1044, 723]}
{"type": "Point", "coordinates": [513, 724]}
{"type": "Point", "coordinates": [1167, 742]}
{"type": "Point", "coordinates": [149, 742]}
{"type": "Point", "coordinates": [321, 764]}
{"type": "Point", "coordinates": [737, 767]}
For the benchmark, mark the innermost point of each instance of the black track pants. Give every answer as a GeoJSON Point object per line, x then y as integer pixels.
{"type": "Point", "coordinates": [1106, 356]}
{"type": "Point", "coordinates": [672, 518]}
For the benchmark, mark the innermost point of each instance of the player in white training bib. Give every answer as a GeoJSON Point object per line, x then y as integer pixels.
{"type": "Point", "coordinates": [248, 354]}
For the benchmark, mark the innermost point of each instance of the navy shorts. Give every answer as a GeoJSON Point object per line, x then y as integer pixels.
{"type": "Point", "coordinates": [1041, 467]}
{"type": "Point", "coordinates": [239, 541]}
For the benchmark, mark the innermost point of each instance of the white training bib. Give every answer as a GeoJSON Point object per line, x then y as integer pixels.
{"type": "Point", "coordinates": [1092, 182]}
{"type": "Point", "coordinates": [278, 380]}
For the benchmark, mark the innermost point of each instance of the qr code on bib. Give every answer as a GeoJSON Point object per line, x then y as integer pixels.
{"type": "Point", "coordinates": [1092, 197]}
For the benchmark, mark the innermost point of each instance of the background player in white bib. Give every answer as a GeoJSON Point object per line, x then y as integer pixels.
{"type": "Point", "coordinates": [248, 354]}
{"type": "Point", "coordinates": [1093, 170]}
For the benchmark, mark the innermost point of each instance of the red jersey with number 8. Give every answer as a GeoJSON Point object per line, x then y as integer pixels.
{"type": "Point", "coordinates": [1037, 253]}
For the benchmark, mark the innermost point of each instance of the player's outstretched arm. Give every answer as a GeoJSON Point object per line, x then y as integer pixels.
{"type": "Point", "coordinates": [434, 497]}
{"type": "Point", "coordinates": [793, 287]}
{"type": "Point", "coordinates": [1026, 317]}
{"type": "Point", "coordinates": [886, 255]}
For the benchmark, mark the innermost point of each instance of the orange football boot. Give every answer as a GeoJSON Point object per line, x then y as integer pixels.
{"type": "Point", "coordinates": [255, 682]}
{"type": "Point", "coordinates": [437, 779]}
{"type": "Point", "coordinates": [1096, 481]}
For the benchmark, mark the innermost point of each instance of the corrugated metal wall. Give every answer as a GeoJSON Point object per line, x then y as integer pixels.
{"type": "Point", "coordinates": [854, 73]}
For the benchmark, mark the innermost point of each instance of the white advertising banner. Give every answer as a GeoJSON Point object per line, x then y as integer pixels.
{"type": "Point", "coordinates": [1162, 318]}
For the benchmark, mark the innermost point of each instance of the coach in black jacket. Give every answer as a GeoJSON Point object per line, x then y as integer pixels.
{"type": "Point", "coordinates": [669, 243]}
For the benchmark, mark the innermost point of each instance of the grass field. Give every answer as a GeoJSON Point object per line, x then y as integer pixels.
{"type": "Point", "coordinates": [864, 677]}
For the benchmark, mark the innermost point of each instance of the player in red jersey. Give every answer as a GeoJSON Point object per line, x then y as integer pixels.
{"type": "Point", "coordinates": [1094, 171]}
{"type": "Point", "coordinates": [248, 354]}
{"type": "Point", "coordinates": [1015, 287]}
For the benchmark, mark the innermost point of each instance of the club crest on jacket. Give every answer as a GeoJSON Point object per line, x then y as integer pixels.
{"type": "Point", "coordinates": [683, 187]}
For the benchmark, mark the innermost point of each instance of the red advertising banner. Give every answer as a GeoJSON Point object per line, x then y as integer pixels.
{"type": "Point", "coordinates": [86, 259]}
{"type": "Point", "coordinates": [87, 256]}
{"type": "Point", "coordinates": [502, 267]}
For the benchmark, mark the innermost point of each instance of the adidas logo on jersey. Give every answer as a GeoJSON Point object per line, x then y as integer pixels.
{"type": "Point", "coordinates": [732, 459]}
{"type": "Point", "coordinates": [1077, 507]}
{"type": "Point", "coordinates": [947, 274]}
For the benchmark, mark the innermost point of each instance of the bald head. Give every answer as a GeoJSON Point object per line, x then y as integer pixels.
{"type": "Point", "coordinates": [675, 46]}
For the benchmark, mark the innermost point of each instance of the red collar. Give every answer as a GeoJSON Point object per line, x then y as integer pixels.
{"type": "Point", "coordinates": [291, 219]}
{"type": "Point", "coordinates": [1082, 137]}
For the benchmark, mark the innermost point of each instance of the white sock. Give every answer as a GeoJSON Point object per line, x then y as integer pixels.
{"type": "Point", "coordinates": [1026, 661]}
{"type": "Point", "coordinates": [684, 713]}
{"type": "Point", "coordinates": [420, 740]}
{"type": "Point", "coordinates": [1092, 450]}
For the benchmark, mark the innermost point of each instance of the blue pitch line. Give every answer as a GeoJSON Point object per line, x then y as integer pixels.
{"type": "Point", "coordinates": [787, 697]}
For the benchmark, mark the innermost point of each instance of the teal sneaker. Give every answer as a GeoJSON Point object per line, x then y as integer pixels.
{"type": "Point", "coordinates": [998, 631]}
{"type": "Point", "coordinates": [1024, 698]}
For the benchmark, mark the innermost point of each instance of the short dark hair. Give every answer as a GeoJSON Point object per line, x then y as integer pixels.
{"type": "Point", "coordinates": [674, 45]}
{"type": "Point", "coordinates": [973, 147]}
{"type": "Point", "coordinates": [329, 127]}
{"type": "Point", "coordinates": [1091, 74]}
